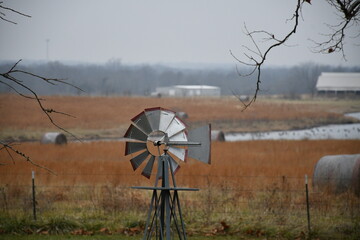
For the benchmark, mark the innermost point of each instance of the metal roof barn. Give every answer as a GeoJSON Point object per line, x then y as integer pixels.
{"type": "Point", "coordinates": [187, 91]}
{"type": "Point", "coordinates": [338, 82]}
{"type": "Point", "coordinates": [338, 173]}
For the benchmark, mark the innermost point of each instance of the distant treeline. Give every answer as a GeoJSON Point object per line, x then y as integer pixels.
{"type": "Point", "coordinates": [115, 78]}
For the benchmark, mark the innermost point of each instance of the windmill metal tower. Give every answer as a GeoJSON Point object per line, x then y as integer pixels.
{"type": "Point", "coordinates": [158, 136]}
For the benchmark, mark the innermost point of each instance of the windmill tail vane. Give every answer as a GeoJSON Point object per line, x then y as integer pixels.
{"type": "Point", "coordinates": [157, 135]}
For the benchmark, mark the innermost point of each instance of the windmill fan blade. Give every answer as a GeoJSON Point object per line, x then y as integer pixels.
{"type": "Point", "coordinates": [165, 119]}
{"type": "Point", "coordinates": [181, 136]}
{"type": "Point", "coordinates": [175, 126]}
{"type": "Point", "coordinates": [174, 165]}
{"type": "Point", "coordinates": [202, 152]}
{"type": "Point", "coordinates": [142, 122]}
{"type": "Point", "coordinates": [132, 147]}
{"type": "Point", "coordinates": [134, 133]}
{"type": "Point", "coordinates": [148, 168]}
{"type": "Point", "coordinates": [180, 153]}
{"type": "Point", "coordinates": [138, 160]}
{"type": "Point", "coordinates": [153, 116]}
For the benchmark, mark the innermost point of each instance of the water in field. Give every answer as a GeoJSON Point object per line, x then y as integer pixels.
{"type": "Point", "coordinates": [354, 115]}
{"type": "Point", "coordinates": [336, 131]}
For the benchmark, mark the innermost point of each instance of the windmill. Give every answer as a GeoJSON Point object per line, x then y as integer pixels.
{"type": "Point", "coordinates": [158, 137]}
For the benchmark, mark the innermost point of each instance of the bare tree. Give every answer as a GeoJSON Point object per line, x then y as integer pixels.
{"type": "Point", "coordinates": [255, 57]}
{"type": "Point", "coordinates": [11, 79]}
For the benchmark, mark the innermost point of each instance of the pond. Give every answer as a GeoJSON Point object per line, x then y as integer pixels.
{"type": "Point", "coordinates": [335, 131]}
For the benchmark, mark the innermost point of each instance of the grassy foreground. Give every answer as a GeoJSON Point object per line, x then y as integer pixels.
{"type": "Point", "coordinates": [252, 189]}
{"type": "Point", "coordinates": [104, 237]}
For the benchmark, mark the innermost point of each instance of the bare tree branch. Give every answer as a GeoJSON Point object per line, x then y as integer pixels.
{"type": "Point", "coordinates": [33, 95]}
{"type": "Point", "coordinates": [262, 55]}
{"type": "Point", "coordinates": [348, 11]}
{"type": "Point", "coordinates": [9, 148]}
{"type": "Point", "coordinates": [3, 11]}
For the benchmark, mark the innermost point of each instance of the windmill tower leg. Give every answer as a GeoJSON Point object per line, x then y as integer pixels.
{"type": "Point", "coordinates": [165, 217]}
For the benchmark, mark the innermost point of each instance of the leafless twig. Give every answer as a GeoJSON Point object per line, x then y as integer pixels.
{"type": "Point", "coordinates": [33, 95]}
{"type": "Point", "coordinates": [9, 148]}
{"type": "Point", "coordinates": [258, 57]}
{"type": "Point", "coordinates": [348, 12]}
{"type": "Point", "coordinates": [4, 10]}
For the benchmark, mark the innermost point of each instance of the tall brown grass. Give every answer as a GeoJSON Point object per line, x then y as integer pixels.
{"type": "Point", "coordinates": [116, 112]}
{"type": "Point", "coordinates": [248, 164]}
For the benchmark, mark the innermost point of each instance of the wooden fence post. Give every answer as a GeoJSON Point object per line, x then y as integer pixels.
{"type": "Point", "coordinates": [33, 195]}
{"type": "Point", "coordinates": [307, 203]}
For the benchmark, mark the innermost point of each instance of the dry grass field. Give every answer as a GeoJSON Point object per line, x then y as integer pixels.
{"type": "Point", "coordinates": [251, 164]}
{"type": "Point", "coordinates": [110, 116]}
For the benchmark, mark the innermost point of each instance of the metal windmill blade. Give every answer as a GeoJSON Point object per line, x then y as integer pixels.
{"type": "Point", "coordinates": [135, 140]}
{"type": "Point", "coordinates": [139, 159]}
{"type": "Point", "coordinates": [148, 168]}
{"type": "Point", "coordinates": [153, 116]}
{"type": "Point", "coordinates": [141, 121]}
{"type": "Point", "coordinates": [135, 133]}
{"type": "Point", "coordinates": [166, 117]}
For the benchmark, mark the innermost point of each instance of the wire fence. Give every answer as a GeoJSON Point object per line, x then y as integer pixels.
{"type": "Point", "coordinates": [223, 204]}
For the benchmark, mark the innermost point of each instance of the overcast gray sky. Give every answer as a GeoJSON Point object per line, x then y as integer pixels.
{"type": "Point", "coordinates": [163, 31]}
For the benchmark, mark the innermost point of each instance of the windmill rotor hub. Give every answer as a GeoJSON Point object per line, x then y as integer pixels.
{"type": "Point", "coordinates": [155, 143]}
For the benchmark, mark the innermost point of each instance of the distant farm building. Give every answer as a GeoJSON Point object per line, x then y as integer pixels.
{"type": "Point", "coordinates": [338, 84]}
{"type": "Point", "coordinates": [187, 91]}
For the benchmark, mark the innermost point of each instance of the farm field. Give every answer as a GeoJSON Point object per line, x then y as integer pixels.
{"type": "Point", "coordinates": [251, 190]}
{"type": "Point", "coordinates": [232, 163]}
{"type": "Point", "coordinates": [103, 117]}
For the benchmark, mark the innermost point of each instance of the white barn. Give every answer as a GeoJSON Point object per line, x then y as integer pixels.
{"type": "Point", "coordinates": [187, 91]}
{"type": "Point", "coordinates": [338, 83]}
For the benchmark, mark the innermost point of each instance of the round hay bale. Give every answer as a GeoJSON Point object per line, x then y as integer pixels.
{"type": "Point", "coordinates": [217, 135]}
{"type": "Point", "coordinates": [338, 174]}
{"type": "Point", "coordinates": [182, 115]}
{"type": "Point", "coordinates": [54, 138]}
